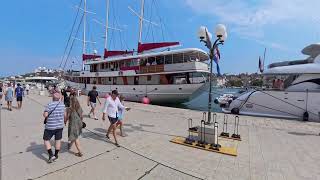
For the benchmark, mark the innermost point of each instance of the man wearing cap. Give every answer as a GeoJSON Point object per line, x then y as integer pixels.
{"type": "Point", "coordinates": [55, 117]}
{"type": "Point", "coordinates": [111, 106]}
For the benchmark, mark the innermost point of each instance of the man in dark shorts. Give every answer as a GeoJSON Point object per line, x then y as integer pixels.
{"type": "Point", "coordinates": [19, 93]}
{"type": "Point", "coordinates": [56, 118]}
{"type": "Point", "coordinates": [93, 96]}
{"type": "Point", "coordinates": [111, 108]}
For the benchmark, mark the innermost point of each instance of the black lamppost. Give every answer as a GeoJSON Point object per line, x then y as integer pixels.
{"type": "Point", "coordinates": [205, 36]}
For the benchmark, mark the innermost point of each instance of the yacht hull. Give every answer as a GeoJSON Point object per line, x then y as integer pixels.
{"type": "Point", "coordinates": [280, 104]}
{"type": "Point", "coordinates": [177, 93]}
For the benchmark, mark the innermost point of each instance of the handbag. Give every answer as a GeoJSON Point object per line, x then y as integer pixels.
{"type": "Point", "coordinates": [46, 118]}
{"type": "Point", "coordinates": [84, 125]}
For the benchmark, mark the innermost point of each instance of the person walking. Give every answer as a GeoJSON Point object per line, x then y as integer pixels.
{"type": "Point", "coordinates": [111, 106]}
{"type": "Point", "coordinates": [55, 116]}
{"type": "Point", "coordinates": [75, 118]}
{"type": "Point", "coordinates": [66, 93]}
{"type": "Point", "coordinates": [1, 92]}
{"type": "Point", "coordinates": [9, 96]}
{"type": "Point", "coordinates": [19, 93]}
{"type": "Point", "coordinates": [93, 96]}
{"type": "Point", "coordinates": [27, 88]}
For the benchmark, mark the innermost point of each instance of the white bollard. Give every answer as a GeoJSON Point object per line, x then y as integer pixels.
{"type": "Point", "coordinates": [215, 133]}
{"type": "Point", "coordinates": [79, 92]}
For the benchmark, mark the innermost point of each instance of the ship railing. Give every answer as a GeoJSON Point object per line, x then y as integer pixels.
{"type": "Point", "coordinates": [152, 69]}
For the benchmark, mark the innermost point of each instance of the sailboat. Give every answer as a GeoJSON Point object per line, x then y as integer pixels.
{"type": "Point", "coordinates": [167, 76]}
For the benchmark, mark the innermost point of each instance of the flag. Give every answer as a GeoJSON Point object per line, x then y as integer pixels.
{"type": "Point", "coordinates": [216, 58]}
{"type": "Point", "coordinates": [261, 68]}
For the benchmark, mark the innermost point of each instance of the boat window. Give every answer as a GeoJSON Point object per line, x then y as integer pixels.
{"type": "Point", "coordinates": [148, 78]}
{"type": "Point", "coordinates": [168, 59]}
{"type": "Point", "coordinates": [136, 80]}
{"type": "Point", "coordinates": [114, 82]}
{"type": "Point", "coordinates": [177, 58]}
{"type": "Point", "coordinates": [160, 60]}
{"type": "Point", "coordinates": [151, 61]}
{"type": "Point", "coordinates": [102, 65]}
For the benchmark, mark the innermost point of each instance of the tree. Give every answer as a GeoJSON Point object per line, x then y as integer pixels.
{"type": "Point", "coordinates": [235, 83]}
{"type": "Point", "coordinates": [257, 82]}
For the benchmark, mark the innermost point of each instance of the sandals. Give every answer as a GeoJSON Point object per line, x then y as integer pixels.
{"type": "Point", "coordinates": [79, 154]}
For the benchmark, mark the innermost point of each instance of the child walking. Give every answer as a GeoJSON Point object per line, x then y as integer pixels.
{"type": "Point", "coordinates": [120, 116]}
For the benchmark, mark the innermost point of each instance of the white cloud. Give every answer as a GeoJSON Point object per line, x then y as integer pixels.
{"type": "Point", "coordinates": [248, 18]}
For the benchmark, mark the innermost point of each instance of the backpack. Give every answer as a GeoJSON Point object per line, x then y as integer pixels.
{"type": "Point", "coordinates": [19, 92]}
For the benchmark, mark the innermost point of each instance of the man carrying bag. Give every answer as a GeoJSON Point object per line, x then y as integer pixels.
{"type": "Point", "coordinates": [55, 116]}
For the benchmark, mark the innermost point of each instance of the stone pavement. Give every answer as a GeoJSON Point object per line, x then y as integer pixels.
{"type": "Point", "coordinates": [270, 149]}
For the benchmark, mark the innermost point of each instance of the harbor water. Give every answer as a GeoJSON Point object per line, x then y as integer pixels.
{"type": "Point", "coordinates": [200, 101]}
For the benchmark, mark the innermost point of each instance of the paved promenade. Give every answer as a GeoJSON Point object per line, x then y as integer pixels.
{"type": "Point", "coordinates": [271, 149]}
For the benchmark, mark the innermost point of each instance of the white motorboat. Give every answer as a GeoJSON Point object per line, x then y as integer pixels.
{"type": "Point", "coordinates": [167, 76]}
{"type": "Point", "coordinates": [296, 97]}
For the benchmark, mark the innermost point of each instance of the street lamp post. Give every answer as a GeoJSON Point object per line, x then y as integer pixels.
{"type": "Point", "coordinates": [205, 36]}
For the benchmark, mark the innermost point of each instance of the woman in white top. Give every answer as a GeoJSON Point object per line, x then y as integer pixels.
{"type": "Point", "coordinates": [111, 106]}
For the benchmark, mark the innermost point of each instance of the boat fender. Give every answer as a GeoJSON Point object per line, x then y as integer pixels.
{"type": "Point", "coordinates": [216, 101]}
{"type": "Point", "coordinates": [235, 111]}
{"type": "Point", "coordinates": [305, 116]}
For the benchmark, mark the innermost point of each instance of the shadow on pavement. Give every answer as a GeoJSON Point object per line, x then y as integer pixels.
{"type": "Point", "coordinates": [303, 134]}
{"type": "Point", "coordinates": [39, 149]}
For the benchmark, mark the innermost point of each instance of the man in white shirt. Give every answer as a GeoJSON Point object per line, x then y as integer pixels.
{"type": "Point", "coordinates": [111, 106]}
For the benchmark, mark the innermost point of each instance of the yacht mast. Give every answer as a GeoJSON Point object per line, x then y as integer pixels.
{"type": "Point", "coordinates": [141, 20]}
{"type": "Point", "coordinates": [107, 25]}
{"type": "Point", "coordinates": [84, 31]}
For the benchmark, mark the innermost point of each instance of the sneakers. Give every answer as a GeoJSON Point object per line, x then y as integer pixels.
{"type": "Point", "coordinates": [95, 118]}
{"type": "Point", "coordinates": [55, 158]}
{"type": "Point", "coordinates": [52, 159]}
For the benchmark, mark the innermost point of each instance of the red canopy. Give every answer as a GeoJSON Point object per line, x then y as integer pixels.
{"type": "Point", "coordinates": [115, 53]}
{"type": "Point", "coordinates": [89, 56]}
{"type": "Point", "coordinates": [149, 46]}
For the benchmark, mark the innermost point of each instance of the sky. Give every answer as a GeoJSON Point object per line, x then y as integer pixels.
{"type": "Point", "coordinates": [34, 33]}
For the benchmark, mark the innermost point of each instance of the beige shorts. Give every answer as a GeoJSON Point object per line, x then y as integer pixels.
{"type": "Point", "coordinates": [93, 105]}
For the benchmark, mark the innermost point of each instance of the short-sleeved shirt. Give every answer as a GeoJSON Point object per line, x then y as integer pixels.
{"type": "Point", "coordinates": [19, 91]}
{"type": "Point", "coordinates": [93, 96]}
{"type": "Point", "coordinates": [56, 118]}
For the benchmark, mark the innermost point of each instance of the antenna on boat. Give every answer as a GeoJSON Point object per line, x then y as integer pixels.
{"type": "Point", "coordinates": [107, 21]}
{"type": "Point", "coordinates": [141, 19]}
{"type": "Point", "coordinates": [84, 30]}
{"type": "Point", "coordinates": [264, 56]}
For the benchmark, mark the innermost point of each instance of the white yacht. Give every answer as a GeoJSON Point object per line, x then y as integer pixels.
{"type": "Point", "coordinates": [167, 76]}
{"type": "Point", "coordinates": [297, 96]}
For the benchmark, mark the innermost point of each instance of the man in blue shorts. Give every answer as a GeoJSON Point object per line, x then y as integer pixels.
{"type": "Point", "coordinates": [55, 116]}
